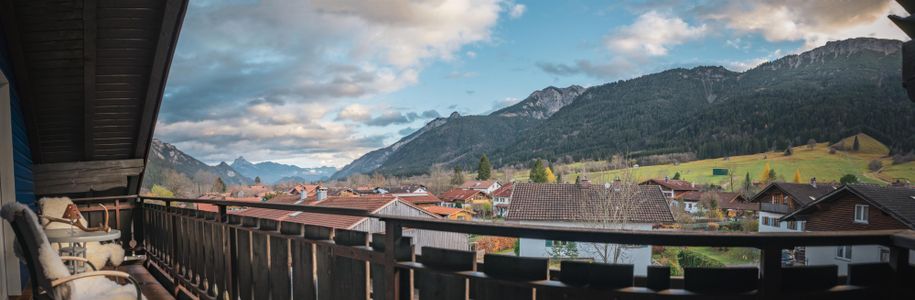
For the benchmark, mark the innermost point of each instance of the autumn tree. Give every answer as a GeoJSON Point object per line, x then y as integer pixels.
{"type": "Point", "coordinates": [797, 176]}
{"type": "Point", "coordinates": [203, 181]}
{"type": "Point", "coordinates": [219, 186]}
{"type": "Point", "coordinates": [484, 170]}
{"type": "Point", "coordinates": [550, 177]}
{"type": "Point", "coordinates": [538, 172]}
{"type": "Point", "coordinates": [160, 191]}
{"type": "Point", "coordinates": [178, 183]}
{"type": "Point", "coordinates": [458, 177]}
{"type": "Point", "coordinates": [764, 177]}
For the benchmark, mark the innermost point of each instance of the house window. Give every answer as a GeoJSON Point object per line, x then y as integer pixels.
{"type": "Point", "coordinates": [765, 221]}
{"type": "Point", "coordinates": [861, 213]}
{"type": "Point", "coordinates": [843, 252]}
{"type": "Point", "coordinates": [884, 254]}
{"type": "Point", "coordinates": [792, 225]}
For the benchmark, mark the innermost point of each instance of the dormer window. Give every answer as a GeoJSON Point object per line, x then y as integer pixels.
{"type": "Point", "coordinates": [861, 213]}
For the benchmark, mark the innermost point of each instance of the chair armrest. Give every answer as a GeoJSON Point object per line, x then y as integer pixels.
{"type": "Point", "coordinates": [77, 258]}
{"type": "Point", "coordinates": [118, 274]}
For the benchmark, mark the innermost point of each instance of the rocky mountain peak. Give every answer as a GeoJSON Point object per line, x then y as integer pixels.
{"type": "Point", "coordinates": [454, 115]}
{"type": "Point", "coordinates": [835, 50]}
{"type": "Point", "coordinates": [541, 104]}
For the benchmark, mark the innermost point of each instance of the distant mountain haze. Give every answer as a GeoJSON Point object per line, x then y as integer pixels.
{"type": "Point", "coordinates": [164, 157]}
{"type": "Point", "coordinates": [827, 93]}
{"type": "Point", "coordinates": [271, 172]}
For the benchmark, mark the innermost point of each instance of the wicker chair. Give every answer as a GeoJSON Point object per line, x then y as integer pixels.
{"type": "Point", "coordinates": [49, 276]}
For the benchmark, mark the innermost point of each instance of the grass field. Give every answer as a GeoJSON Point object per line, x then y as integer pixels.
{"type": "Point", "coordinates": [731, 256]}
{"type": "Point", "coordinates": [816, 162]}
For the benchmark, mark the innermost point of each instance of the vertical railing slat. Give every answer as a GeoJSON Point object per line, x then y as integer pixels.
{"type": "Point", "coordinates": [350, 276]}
{"type": "Point", "coordinates": [243, 240]}
{"type": "Point", "coordinates": [433, 285]}
{"type": "Point", "coordinates": [510, 268]}
{"type": "Point", "coordinates": [404, 252]}
{"type": "Point", "coordinates": [322, 261]}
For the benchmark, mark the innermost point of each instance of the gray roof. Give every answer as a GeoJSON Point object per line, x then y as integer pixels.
{"type": "Point", "coordinates": [568, 202]}
{"type": "Point", "coordinates": [803, 193]}
{"type": "Point", "coordinates": [898, 202]}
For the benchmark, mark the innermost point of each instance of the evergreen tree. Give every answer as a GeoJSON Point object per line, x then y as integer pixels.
{"type": "Point", "coordinates": [577, 179]}
{"type": "Point", "coordinates": [559, 178]}
{"type": "Point", "coordinates": [219, 186]}
{"type": "Point", "coordinates": [257, 180]}
{"type": "Point", "coordinates": [848, 179]}
{"type": "Point", "coordinates": [484, 170]}
{"type": "Point", "coordinates": [772, 175]}
{"type": "Point", "coordinates": [788, 151]}
{"type": "Point", "coordinates": [747, 184]}
{"type": "Point", "coordinates": [538, 172]}
{"type": "Point", "coordinates": [458, 177]}
{"type": "Point", "coordinates": [550, 177]}
{"type": "Point", "coordinates": [856, 146]}
{"type": "Point", "coordinates": [676, 176]}
{"type": "Point", "coordinates": [797, 176]}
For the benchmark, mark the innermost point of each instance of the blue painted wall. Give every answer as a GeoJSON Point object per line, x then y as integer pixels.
{"type": "Point", "coordinates": [22, 157]}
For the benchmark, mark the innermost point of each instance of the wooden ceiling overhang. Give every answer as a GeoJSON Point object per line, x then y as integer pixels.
{"type": "Point", "coordinates": [90, 75]}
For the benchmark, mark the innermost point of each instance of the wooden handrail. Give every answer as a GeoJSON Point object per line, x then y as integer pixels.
{"type": "Point", "coordinates": [278, 206]}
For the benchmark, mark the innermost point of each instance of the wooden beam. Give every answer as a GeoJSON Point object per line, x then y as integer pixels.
{"type": "Point", "coordinates": [90, 38]}
{"type": "Point", "coordinates": [79, 177]}
{"type": "Point", "coordinates": [172, 19]}
{"type": "Point", "coordinates": [21, 74]}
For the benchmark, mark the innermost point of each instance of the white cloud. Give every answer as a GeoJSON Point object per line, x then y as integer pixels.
{"type": "Point", "coordinates": [471, 54]}
{"type": "Point", "coordinates": [814, 21]}
{"type": "Point", "coordinates": [516, 11]}
{"type": "Point", "coordinates": [652, 34]}
{"type": "Point", "coordinates": [355, 112]}
{"type": "Point", "coordinates": [299, 58]}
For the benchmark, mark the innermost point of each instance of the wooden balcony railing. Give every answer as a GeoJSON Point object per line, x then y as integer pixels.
{"type": "Point", "coordinates": [774, 208]}
{"type": "Point", "coordinates": [221, 255]}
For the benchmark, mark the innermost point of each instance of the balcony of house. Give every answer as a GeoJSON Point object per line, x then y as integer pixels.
{"type": "Point", "coordinates": [774, 208]}
{"type": "Point", "coordinates": [217, 253]}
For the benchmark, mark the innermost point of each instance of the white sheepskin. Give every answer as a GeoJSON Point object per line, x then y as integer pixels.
{"type": "Point", "coordinates": [97, 253]}
{"type": "Point", "coordinates": [90, 288]}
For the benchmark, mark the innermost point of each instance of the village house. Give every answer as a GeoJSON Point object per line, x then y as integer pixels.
{"type": "Point", "coordinates": [375, 204]}
{"type": "Point", "coordinates": [485, 186]}
{"type": "Point", "coordinates": [459, 198]}
{"type": "Point", "coordinates": [423, 199]}
{"type": "Point", "coordinates": [855, 208]}
{"type": "Point", "coordinates": [731, 205]}
{"type": "Point", "coordinates": [672, 188]}
{"type": "Point", "coordinates": [450, 213]}
{"type": "Point", "coordinates": [501, 199]}
{"type": "Point", "coordinates": [781, 198]}
{"type": "Point", "coordinates": [568, 205]}
{"type": "Point", "coordinates": [401, 190]}
{"type": "Point", "coordinates": [255, 190]}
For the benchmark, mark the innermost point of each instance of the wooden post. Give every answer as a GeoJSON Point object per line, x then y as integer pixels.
{"type": "Point", "coordinates": [392, 234]}
{"type": "Point", "coordinates": [770, 272]}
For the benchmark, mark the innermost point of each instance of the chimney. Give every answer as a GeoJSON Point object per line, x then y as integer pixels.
{"type": "Point", "coordinates": [320, 193]}
{"type": "Point", "coordinates": [813, 182]}
{"type": "Point", "coordinates": [666, 178]}
{"type": "Point", "coordinates": [584, 183]}
{"type": "Point", "coordinates": [303, 194]}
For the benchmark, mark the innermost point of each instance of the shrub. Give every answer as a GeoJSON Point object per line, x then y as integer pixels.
{"type": "Point", "coordinates": [832, 150]}
{"type": "Point", "coordinates": [903, 158]}
{"type": "Point", "coordinates": [691, 258]}
{"type": "Point", "coordinates": [875, 165]}
{"type": "Point", "coordinates": [848, 179]}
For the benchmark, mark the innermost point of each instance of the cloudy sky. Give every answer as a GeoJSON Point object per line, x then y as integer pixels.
{"type": "Point", "coordinates": [321, 82]}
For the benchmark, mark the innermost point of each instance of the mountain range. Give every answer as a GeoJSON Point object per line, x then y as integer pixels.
{"type": "Point", "coordinates": [271, 172]}
{"type": "Point", "coordinates": [164, 157]}
{"type": "Point", "coordinates": [841, 88]}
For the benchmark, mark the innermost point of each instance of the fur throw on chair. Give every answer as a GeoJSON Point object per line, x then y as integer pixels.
{"type": "Point", "coordinates": [97, 253]}
{"type": "Point", "coordinates": [89, 288]}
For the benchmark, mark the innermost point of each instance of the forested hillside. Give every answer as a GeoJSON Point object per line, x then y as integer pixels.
{"type": "Point", "coordinates": [825, 94]}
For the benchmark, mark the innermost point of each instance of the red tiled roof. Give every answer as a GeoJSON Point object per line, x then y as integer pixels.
{"type": "Point", "coordinates": [726, 200]}
{"type": "Point", "coordinates": [368, 203]}
{"type": "Point", "coordinates": [573, 202]}
{"type": "Point", "coordinates": [458, 195]}
{"type": "Point", "coordinates": [677, 185]}
{"type": "Point", "coordinates": [441, 210]}
{"type": "Point", "coordinates": [418, 199]}
{"type": "Point", "coordinates": [477, 184]}
{"type": "Point", "coordinates": [504, 191]}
